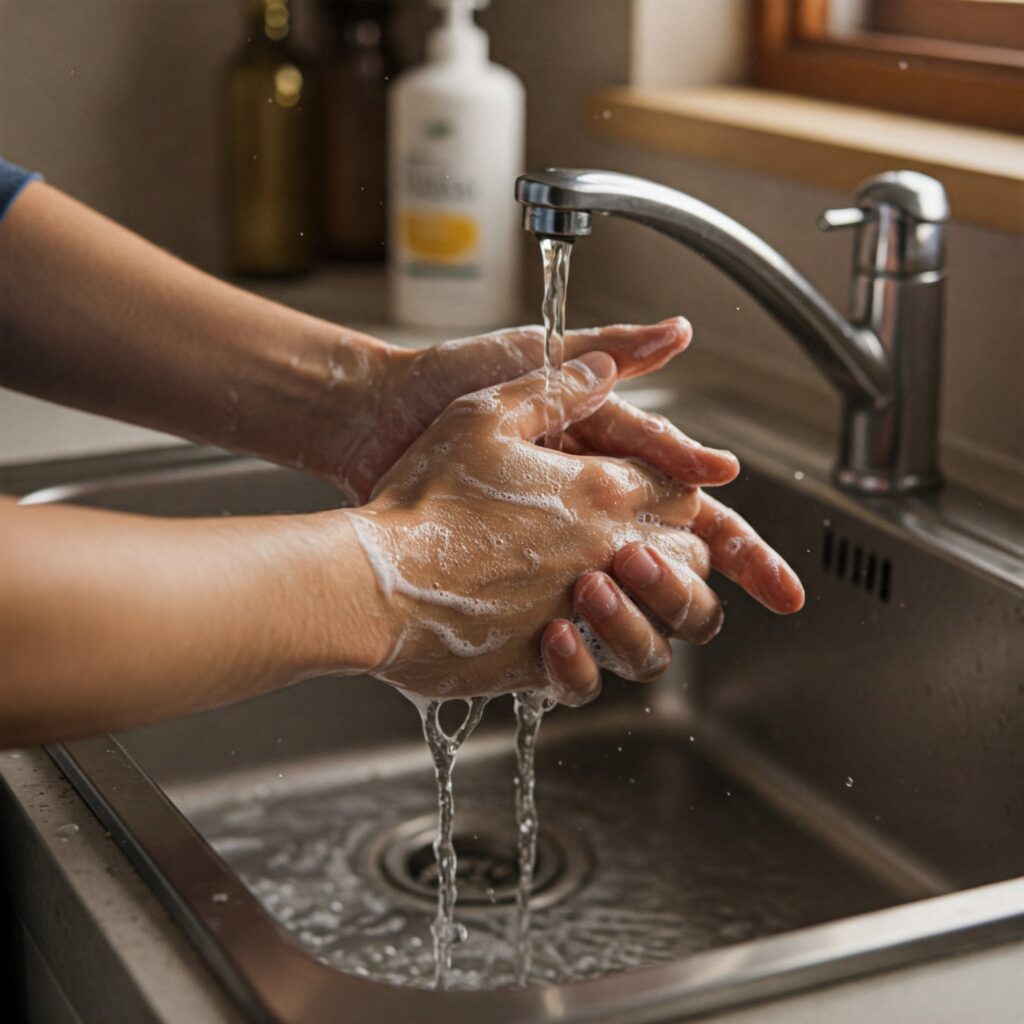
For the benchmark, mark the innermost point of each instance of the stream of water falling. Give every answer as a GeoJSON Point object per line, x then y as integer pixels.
{"type": "Point", "coordinates": [530, 705]}
{"type": "Point", "coordinates": [443, 749]}
{"type": "Point", "coordinates": [555, 253]}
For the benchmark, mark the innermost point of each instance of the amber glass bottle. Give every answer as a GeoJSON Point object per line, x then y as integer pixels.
{"type": "Point", "coordinates": [271, 148]}
{"type": "Point", "coordinates": [355, 80]}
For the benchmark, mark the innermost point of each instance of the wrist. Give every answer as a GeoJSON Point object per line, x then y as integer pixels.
{"type": "Point", "coordinates": [303, 392]}
{"type": "Point", "coordinates": [350, 625]}
{"type": "Point", "coordinates": [342, 380]}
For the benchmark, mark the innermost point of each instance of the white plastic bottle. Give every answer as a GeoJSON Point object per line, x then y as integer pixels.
{"type": "Point", "coordinates": [457, 126]}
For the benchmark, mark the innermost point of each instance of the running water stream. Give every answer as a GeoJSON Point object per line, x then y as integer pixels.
{"type": "Point", "coordinates": [443, 749]}
{"type": "Point", "coordinates": [555, 253]}
{"type": "Point", "coordinates": [530, 705]}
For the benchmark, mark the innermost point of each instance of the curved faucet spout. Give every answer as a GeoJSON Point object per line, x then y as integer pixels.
{"type": "Point", "coordinates": [851, 356]}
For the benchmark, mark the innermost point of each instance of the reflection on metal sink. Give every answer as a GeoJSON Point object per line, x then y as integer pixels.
{"type": "Point", "coordinates": [803, 800]}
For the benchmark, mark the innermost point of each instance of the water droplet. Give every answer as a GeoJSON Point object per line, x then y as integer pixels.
{"type": "Point", "coordinates": [848, 782]}
{"type": "Point", "coordinates": [65, 832]}
{"type": "Point", "coordinates": [219, 897]}
{"type": "Point", "coordinates": [798, 474]}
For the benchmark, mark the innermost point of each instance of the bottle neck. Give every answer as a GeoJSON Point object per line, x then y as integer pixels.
{"type": "Point", "coordinates": [459, 41]}
{"type": "Point", "coordinates": [269, 21]}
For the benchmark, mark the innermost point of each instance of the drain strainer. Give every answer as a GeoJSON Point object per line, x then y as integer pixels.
{"type": "Point", "coordinates": [403, 857]}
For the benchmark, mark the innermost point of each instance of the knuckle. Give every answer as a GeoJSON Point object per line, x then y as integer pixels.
{"type": "Point", "coordinates": [655, 423]}
{"type": "Point", "coordinates": [609, 483]}
{"type": "Point", "coordinates": [477, 403]}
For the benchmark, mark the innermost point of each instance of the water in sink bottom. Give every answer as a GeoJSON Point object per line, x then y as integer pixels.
{"type": "Point", "coordinates": [679, 859]}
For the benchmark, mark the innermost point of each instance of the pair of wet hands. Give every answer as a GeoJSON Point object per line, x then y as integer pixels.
{"type": "Point", "coordinates": [504, 565]}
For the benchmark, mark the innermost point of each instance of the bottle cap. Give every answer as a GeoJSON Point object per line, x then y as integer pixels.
{"type": "Point", "coordinates": [458, 37]}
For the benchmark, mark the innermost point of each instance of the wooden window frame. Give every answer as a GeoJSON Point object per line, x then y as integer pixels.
{"type": "Point", "coordinates": [963, 83]}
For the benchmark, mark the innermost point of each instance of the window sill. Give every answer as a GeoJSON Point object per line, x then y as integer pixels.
{"type": "Point", "coordinates": [822, 143]}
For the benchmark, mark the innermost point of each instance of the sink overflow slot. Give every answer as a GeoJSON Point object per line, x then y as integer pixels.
{"type": "Point", "coordinates": [863, 569]}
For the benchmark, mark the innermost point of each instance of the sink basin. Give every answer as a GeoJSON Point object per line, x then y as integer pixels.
{"type": "Point", "coordinates": [803, 800]}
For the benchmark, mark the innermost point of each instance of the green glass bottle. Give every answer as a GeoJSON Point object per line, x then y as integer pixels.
{"type": "Point", "coordinates": [271, 148]}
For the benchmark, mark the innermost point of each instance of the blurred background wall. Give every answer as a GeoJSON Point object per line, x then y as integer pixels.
{"type": "Point", "coordinates": [119, 103]}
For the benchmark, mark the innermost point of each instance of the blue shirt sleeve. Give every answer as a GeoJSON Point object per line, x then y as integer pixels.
{"type": "Point", "coordinates": [12, 180]}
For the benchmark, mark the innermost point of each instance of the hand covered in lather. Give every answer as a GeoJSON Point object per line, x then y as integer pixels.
{"type": "Point", "coordinates": [477, 537]}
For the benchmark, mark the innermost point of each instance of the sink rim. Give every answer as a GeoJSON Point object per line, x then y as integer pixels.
{"type": "Point", "coordinates": [276, 981]}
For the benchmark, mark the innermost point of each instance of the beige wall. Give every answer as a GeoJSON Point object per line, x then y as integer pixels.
{"type": "Point", "coordinates": [118, 102]}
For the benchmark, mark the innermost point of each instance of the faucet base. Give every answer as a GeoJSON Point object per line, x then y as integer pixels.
{"type": "Point", "coordinates": [856, 481]}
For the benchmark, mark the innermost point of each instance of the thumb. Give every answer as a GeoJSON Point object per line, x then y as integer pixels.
{"type": "Point", "coordinates": [586, 383]}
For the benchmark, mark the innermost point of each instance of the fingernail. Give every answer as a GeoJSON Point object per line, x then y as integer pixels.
{"type": "Point", "coordinates": [563, 643]}
{"type": "Point", "coordinates": [600, 364]}
{"type": "Point", "coordinates": [640, 569]}
{"type": "Point", "coordinates": [599, 597]}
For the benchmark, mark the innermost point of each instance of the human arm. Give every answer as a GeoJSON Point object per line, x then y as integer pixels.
{"type": "Point", "coordinates": [442, 585]}
{"type": "Point", "coordinates": [108, 621]}
{"type": "Point", "coordinates": [95, 317]}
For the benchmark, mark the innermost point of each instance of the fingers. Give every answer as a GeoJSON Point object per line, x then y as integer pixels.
{"type": "Point", "coordinates": [586, 383]}
{"type": "Point", "coordinates": [633, 487]}
{"type": "Point", "coordinates": [572, 671]}
{"type": "Point", "coordinates": [739, 553]}
{"type": "Point", "coordinates": [633, 648]}
{"type": "Point", "coordinates": [621, 429]}
{"type": "Point", "coordinates": [671, 590]}
{"type": "Point", "coordinates": [635, 349]}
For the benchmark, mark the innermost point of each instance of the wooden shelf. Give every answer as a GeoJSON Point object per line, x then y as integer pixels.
{"type": "Point", "coordinates": [822, 143]}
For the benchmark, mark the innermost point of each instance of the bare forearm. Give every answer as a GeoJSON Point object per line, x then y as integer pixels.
{"type": "Point", "coordinates": [108, 621]}
{"type": "Point", "coordinates": [95, 317]}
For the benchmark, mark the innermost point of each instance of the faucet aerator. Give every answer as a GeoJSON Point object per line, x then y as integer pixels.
{"type": "Point", "coordinates": [547, 222]}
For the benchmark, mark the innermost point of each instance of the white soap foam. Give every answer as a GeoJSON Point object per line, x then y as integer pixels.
{"type": "Point", "coordinates": [527, 499]}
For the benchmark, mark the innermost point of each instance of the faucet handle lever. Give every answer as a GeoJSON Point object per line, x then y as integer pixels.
{"type": "Point", "coordinates": [845, 217]}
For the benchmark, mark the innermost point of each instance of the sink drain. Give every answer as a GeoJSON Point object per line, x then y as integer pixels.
{"type": "Point", "coordinates": [488, 871]}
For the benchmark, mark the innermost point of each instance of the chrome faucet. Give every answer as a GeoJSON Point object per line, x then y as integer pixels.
{"type": "Point", "coordinates": [885, 360]}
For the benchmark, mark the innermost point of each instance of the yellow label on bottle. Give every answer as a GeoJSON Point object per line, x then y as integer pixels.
{"type": "Point", "coordinates": [439, 235]}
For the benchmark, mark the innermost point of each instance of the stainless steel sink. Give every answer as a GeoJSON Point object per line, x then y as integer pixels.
{"type": "Point", "coordinates": [803, 800]}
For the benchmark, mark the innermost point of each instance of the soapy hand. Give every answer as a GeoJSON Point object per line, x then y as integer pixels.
{"type": "Point", "coordinates": [477, 535]}
{"type": "Point", "coordinates": [402, 391]}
